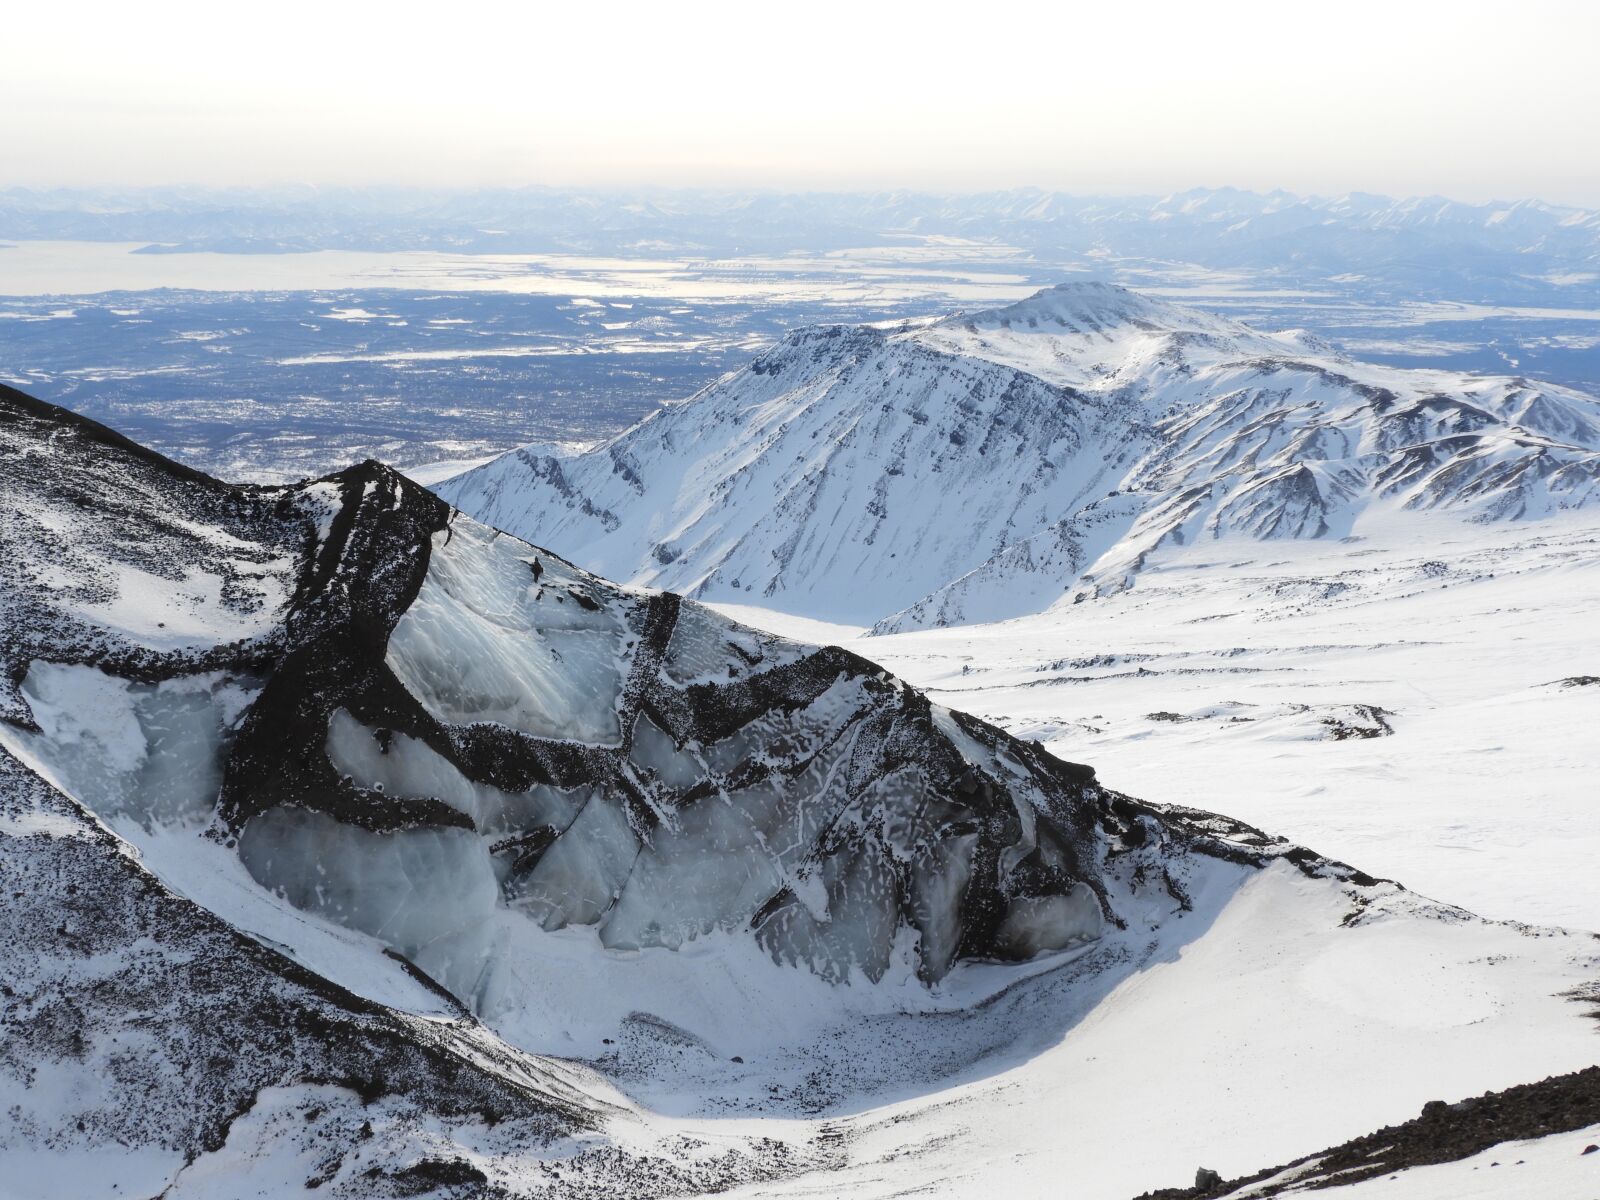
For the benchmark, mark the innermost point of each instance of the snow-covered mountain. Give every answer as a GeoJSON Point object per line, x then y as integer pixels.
{"type": "Point", "coordinates": [989, 465]}
{"type": "Point", "coordinates": [355, 848]}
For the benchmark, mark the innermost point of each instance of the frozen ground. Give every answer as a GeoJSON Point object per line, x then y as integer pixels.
{"type": "Point", "coordinates": [1550, 1167]}
{"type": "Point", "coordinates": [1212, 682]}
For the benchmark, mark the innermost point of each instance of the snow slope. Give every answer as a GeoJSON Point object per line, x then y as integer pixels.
{"type": "Point", "coordinates": [992, 464]}
{"type": "Point", "coordinates": [1277, 1026]}
{"type": "Point", "coordinates": [1554, 1167]}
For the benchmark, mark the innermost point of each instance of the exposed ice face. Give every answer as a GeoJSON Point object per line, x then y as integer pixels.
{"type": "Point", "coordinates": [655, 751]}
{"type": "Point", "coordinates": [899, 853]}
{"type": "Point", "coordinates": [831, 878]}
{"type": "Point", "coordinates": [578, 879]}
{"type": "Point", "coordinates": [577, 755]}
{"type": "Point", "coordinates": [429, 893]}
{"type": "Point", "coordinates": [708, 648]}
{"type": "Point", "coordinates": [850, 930]}
{"type": "Point", "coordinates": [1035, 925]}
{"type": "Point", "coordinates": [147, 753]}
{"type": "Point", "coordinates": [404, 766]}
{"type": "Point", "coordinates": [708, 869]}
{"type": "Point", "coordinates": [789, 736]}
{"type": "Point", "coordinates": [488, 640]}
{"type": "Point", "coordinates": [714, 780]}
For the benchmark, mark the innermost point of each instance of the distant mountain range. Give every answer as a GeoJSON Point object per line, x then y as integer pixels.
{"type": "Point", "coordinates": [987, 465]}
{"type": "Point", "coordinates": [1426, 246]}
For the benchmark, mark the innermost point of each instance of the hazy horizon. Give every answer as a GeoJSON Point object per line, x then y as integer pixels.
{"type": "Point", "coordinates": [649, 188]}
{"type": "Point", "coordinates": [1388, 100]}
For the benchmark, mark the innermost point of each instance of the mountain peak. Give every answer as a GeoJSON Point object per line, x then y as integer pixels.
{"type": "Point", "coordinates": [1092, 306]}
{"type": "Point", "coordinates": [1075, 296]}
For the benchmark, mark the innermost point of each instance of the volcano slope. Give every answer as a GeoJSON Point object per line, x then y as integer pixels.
{"type": "Point", "coordinates": [356, 848]}
{"type": "Point", "coordinates": [990, 465]}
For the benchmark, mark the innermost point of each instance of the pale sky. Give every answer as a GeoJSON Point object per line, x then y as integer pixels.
{"type": "Point", "coordinates": [1468, 99]}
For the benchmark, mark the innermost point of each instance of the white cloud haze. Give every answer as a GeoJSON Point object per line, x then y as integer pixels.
{"type": "Point", "coordinates": [1476, 100]}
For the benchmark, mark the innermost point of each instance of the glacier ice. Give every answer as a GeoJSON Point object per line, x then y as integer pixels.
{"type": "Point", "coordinates": [147, 753]}
{"type": "Point", "coordinates": [828, 877]}
{"type": "Point", "coordinates": [653, 749]}
{"type": "Point", "coordinates": [1035, 925]}
{"type": "Point", "coordinates": [699, 651]}
{"type": "Point", "coordinates": [744, 786]}
{"type": "Point", "coordinates": [533, 749]}
{"type": "Point", "coordinates": [854, 931]}
{"type": "Point", "coordinates": [485, 641]}
{"type": "Point", "coordinates": [400, 765]}
{"type": "Point", "coordinates": [429, 893]}
{"type": "Point", "coordinates": [580, 876]}
{"type": "Point", "coordinates": [708, 869]}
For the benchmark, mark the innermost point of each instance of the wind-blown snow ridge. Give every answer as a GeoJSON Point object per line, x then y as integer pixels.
{"type": "Point", "coordinates": [991, 464]}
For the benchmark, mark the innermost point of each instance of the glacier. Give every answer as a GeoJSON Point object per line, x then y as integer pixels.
{"type": "Point", "coordinates": [659, 773]}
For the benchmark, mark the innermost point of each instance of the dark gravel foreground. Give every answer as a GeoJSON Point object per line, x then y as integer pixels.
{"type": "Point", "coordinates": [1441, 1133]}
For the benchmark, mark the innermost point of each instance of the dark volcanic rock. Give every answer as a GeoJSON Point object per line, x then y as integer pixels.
{"type": "Point", "coordinates": [1442, 1133]}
